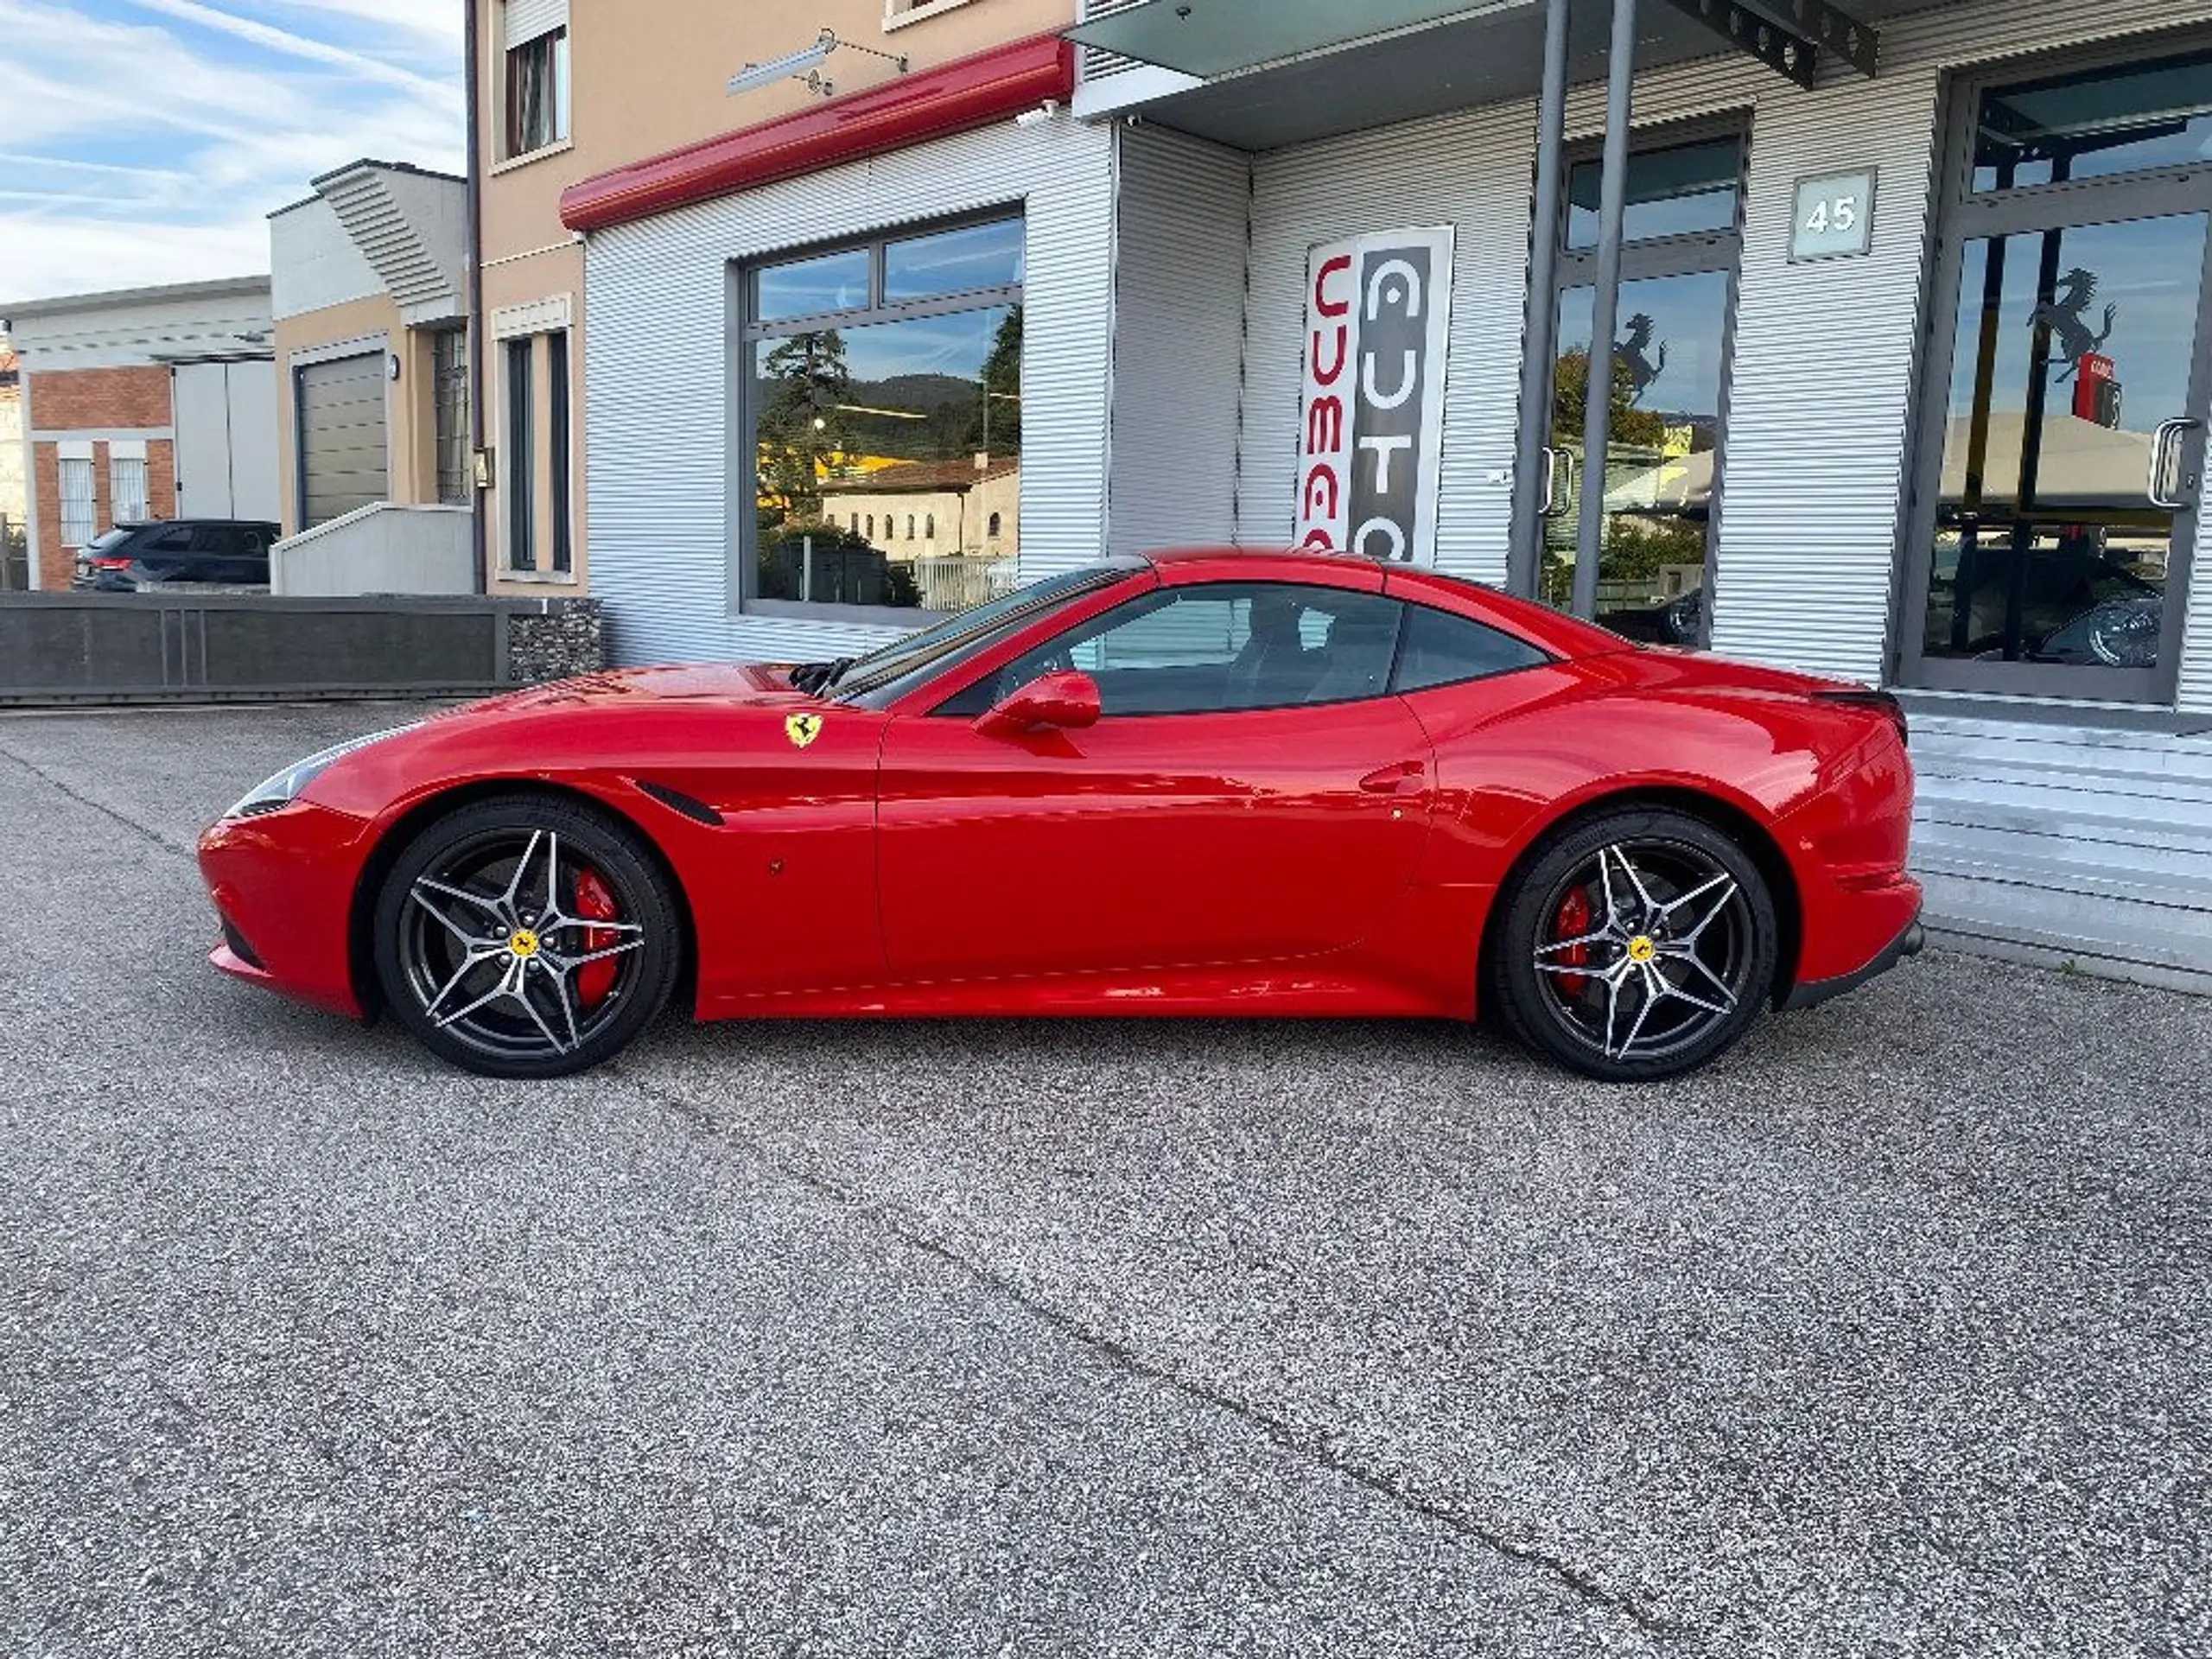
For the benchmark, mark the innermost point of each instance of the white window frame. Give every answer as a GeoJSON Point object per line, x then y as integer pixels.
{"type": "Point", "coordinates": [79, 527]}
{"type": "Point", "coordinates": [128, 507]}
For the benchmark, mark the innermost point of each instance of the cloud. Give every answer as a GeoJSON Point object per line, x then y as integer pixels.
{"type": "Point", "coordinates": [146, 140]}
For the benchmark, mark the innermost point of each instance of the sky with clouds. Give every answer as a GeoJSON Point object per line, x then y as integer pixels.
{"type": "Point", "coordinates": [147, 141]}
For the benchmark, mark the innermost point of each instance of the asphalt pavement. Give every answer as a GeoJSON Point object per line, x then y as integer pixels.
{"type": "Point", "coordinates": [1888, 1335]}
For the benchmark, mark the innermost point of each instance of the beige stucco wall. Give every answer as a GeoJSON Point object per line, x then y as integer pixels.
{"type": "Point", "coordinates": [646, 80]}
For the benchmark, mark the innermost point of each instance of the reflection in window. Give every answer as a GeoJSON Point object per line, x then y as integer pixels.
{"type": "Point", "coordinates": [537, 92]}
{"type": "Point", "coordinates": [963, 261]}
{"type": "Point", "coordinates": [1673, 192]}
{"type": "Point", "coordinates": [2095, 124]}
{"type": "Point", "coordinates": [807, 288]}
{"type": "Point", "coordinates": [879, 413]}
{"type": "Point", "coordinates": [2073, 346]}
{"type": "Point", "coordinates": [1661, 460]}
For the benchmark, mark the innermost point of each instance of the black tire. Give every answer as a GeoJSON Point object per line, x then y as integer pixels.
{"type": "Point", "coordinates": [1689, 911]}
{"type": "Point", "coordinates": [490, 945]}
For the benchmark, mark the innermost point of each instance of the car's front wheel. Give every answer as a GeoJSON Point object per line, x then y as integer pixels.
{"type": "Point", "coordinates": [526, 936]}
{"type": "Point", "coordinates": [1636, 945]}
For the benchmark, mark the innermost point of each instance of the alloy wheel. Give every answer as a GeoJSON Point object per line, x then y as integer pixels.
{"type": "Point", "coordinates": [515, 946]}
{"type": "Point", "coordinates": [1647, 950]}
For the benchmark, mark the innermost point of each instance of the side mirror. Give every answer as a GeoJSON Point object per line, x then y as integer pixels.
{"type": "Point", "coordinates": [1062, 701]}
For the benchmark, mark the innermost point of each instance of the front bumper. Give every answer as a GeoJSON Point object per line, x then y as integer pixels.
{"type": "Point", "coordinates": [282, 885]}
{"type": "Point", "coordinates": [1813, 993]}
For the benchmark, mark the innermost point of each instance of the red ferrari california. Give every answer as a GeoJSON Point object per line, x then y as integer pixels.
{"type": "Point", "coordinates": [1202, 783]}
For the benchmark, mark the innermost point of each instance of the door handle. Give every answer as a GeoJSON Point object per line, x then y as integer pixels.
{"type": "Point", "coordinates": [1554, 502]}
{"type": "Point", "coordinates": [2164, 444]}
{"type": "Point", "coordinates": [1403, 778]}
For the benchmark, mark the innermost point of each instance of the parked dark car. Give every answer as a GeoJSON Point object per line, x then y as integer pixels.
{"type": "Point", "coordinates": [229, 550]}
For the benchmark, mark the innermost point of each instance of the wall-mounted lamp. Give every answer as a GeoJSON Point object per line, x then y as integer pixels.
{"type": "Point", "coordinates": [391, 366]}
{"type": "Point", "coordinates": [806, 64]}
{"type": "Point", "coordinates": [1039, 116]}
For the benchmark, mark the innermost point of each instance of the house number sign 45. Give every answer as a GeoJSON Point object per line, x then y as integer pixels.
{"type": "Point", "coordinates": [1835, 216]}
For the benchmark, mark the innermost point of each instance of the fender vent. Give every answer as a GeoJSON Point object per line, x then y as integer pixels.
{"type": "Point", "coordinates": [676, 801]}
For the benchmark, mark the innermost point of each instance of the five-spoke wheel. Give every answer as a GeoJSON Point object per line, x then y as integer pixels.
{"type": "Point", "coordinates": [1637, 946]}
{"type": "Point", "coordinates": [526, 936]}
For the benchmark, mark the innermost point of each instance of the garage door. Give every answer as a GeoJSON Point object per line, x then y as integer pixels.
{"type": "Point", "coordinates": [342, 455]}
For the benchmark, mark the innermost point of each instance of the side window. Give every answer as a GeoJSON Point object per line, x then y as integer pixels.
{"type": "Point", "coordinates": [178, 540]}
{"type": "Point", "coordinates": [1218, 648]}
{"type": "Point", "coordinates": [1442, 649]}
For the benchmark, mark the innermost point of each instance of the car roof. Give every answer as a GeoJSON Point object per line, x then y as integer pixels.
{"type": "Point", "coordinates": [171, 524]}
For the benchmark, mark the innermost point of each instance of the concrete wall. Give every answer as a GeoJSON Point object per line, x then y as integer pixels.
{"type": "Point", "coordinates": [377, 549]}
{"type": "Point", "coordinates": [314, 265]}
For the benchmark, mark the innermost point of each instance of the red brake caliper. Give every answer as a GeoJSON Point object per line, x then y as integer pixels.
{"type": "Point", "coordinates": [1571, 923]}
{"type": "Point", "coordinates": [596, 904]}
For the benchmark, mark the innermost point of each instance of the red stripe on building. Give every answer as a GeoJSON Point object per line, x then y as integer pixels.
{"type": "Point", "coordinates": [933, 104]}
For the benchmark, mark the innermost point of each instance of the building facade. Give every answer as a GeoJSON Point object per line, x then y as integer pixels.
{"type": "Point", "coordinates": [1907, 381]}
{"type": "Point", "coordinates": [570, 89]}
{"type": "Point", "coordinates": [369, 285]}
{"type": "Point", "coordinates": [152, 403]}
{"type": "Point", "coordinates": [14, 501]}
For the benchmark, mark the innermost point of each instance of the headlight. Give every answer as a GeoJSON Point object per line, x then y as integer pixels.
{"type": "Point", "coordinates": [283, 789]}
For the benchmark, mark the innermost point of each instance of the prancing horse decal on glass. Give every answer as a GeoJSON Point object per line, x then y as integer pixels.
{"type": "Point", "coordinates": [2061, 315]}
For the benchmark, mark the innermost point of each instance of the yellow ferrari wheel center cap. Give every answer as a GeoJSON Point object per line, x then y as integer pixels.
{"type": "Point", "coordinates": [522, 943]}
{"type": "Point", "coordinates": [1640, 948]}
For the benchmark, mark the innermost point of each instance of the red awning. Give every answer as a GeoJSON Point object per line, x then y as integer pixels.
{"type": "Point", "coordinates": [953, 97]}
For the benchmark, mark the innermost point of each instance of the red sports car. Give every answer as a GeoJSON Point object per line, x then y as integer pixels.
{"type": "Point", "coordinates": [1204, 783]}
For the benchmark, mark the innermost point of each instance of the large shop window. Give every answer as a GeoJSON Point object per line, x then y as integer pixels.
{"type": "Point", "coordinates": [1661, 469]}
{"type": "Point", "coordinates": [2062, 434]}
{"type": "Point", "coordinates": [883, 390]}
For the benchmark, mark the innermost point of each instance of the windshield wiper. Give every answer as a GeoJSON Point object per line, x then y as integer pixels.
{"type": "Point", "coordinates": [815, 678]}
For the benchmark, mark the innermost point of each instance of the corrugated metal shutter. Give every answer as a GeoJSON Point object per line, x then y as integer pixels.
{"type": "Point", "coordinates": [525, 20]}
{"type": "Point", "coordinates": [1470, 169]}
{"type": "Point", "coordinates": [1178, 342]}
{"type": "Point", "coordinates": [343, 457]}
{"type": "Point", "coordinates": [658, 295]}
{"type": "Point", "coordinates": [1097, 65]}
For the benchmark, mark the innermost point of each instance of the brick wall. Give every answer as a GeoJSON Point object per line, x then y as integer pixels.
{"type": "Point", "coordinates": [57, 564]}
{"type": "Point", "coordinates": [53, 565]}
{"type": "Point", "coordinates": [96, 400]}
{"type": "Point", "coordinates": [79, 400]}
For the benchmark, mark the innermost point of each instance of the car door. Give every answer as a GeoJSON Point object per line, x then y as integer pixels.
{"type": "Point", "coordinates": [1251, 792]}
{"type": "Point", "coordinates": [165, 555]}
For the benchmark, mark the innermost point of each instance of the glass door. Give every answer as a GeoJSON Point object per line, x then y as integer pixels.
{"type": "Point", "coordinates": [2064, 429]}
{"type": "Point", "coordinates": [1661, 460]}
{"type": "Point", "coordinates": [1660, 476]}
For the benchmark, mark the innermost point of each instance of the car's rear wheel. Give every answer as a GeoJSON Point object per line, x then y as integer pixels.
{"type": "Point", "coordinates": [1636, 945]}
{"type": "Point", "coordinates": [526, 936]}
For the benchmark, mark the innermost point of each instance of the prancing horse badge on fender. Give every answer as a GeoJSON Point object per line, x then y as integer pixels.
{"type": "Point", "coordinates": [802, 729]}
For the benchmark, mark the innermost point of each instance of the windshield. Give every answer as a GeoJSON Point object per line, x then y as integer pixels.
{"type": "Point", "coordinates": [886, 674]}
